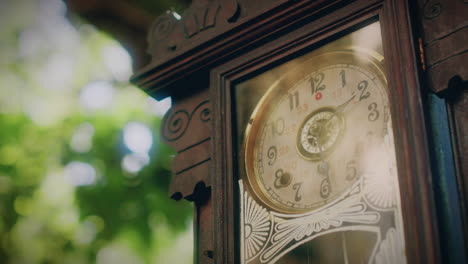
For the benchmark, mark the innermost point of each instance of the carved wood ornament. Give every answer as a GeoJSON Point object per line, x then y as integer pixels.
{"type": "Point", "coordinates": [168, 34]}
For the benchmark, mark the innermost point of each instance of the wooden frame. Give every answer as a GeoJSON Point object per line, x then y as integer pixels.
{"type": "Point", "coordinates": [407, 111]}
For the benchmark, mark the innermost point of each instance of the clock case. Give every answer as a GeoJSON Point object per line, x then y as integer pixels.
{"type": "Point", "coordinates": [303, 27]}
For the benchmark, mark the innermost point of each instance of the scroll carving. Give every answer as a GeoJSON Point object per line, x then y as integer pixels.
{"type": "Point", "coordinates": [186, 128]}
{"type": "Point", "coordinates": [432, 9]}
{"type": "Point", "coordinates": [203, 15]}
{"type": "Point", "coordinates": [176, 123]}
{"type": "Point", "coordinates": [168, 33]}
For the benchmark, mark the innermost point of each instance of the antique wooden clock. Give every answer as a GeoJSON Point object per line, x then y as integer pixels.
{"type": "Point", "coordinates": [303, 131]}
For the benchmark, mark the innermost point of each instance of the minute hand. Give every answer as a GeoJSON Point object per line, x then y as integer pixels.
{"type": "Point", "coordinates": [342, 106]}
{"type": "Point", "coordinates": [339, 109]}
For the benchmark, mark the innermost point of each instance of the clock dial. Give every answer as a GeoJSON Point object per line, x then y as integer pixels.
{"type": "Point", "coordinates": [305, 140]}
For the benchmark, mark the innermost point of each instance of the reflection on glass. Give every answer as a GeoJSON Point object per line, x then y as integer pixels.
{"type": "Point", "coordinates": [318, 182]}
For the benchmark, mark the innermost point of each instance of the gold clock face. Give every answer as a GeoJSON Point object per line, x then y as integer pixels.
{"type": "Point", "coordinates": [306, 138]}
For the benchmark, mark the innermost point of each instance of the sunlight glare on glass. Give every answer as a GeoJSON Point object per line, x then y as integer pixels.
{"type": "Point", "coordinates": [137, 137]}
{"type": "Point", "coordinates": [80, 173]}
{"type": "Point", "coordinates": [369, 37]}
{"type": "Point", "coordinates": [159, 108]}
{"type": "Point", "coordinates": [97, 95]}
{"type": "Point", "coordinates": [134, 162]}
{"type": "Point", "coordinates": [82, 138]}
{"type": "Point", "coordinates": [118, 61]}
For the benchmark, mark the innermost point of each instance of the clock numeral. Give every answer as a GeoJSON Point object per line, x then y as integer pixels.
{"type": "Point", "coordinates": [294, 100]}
{"type": "Point", "coordinates": [271, 154]}
{"type": "Point", "coordinates": [343, 78]}
{"type": "Point", "coordinates": [325, 188]}
{"type": "Point", "coordinates": [277, 127]}
{"type": "Point", "coordinates": [282, 179]}
{"type": "Point", "coordinates": [362, 86]}
{"type": "Point", "coordinates": [297, 188]}
{"type": "Point", "coordinates": [316, 83]}
{"type": "Point", "coordinates": [351, 170]}
{"type": "Point", "coordinates": [374, 114]}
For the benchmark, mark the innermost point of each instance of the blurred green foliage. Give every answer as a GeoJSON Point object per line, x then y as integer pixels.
{"type": "Point", "coordinates": [101, 212]}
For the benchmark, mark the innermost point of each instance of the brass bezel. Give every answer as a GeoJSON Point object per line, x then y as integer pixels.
{"type": "Point", "coordinates": [367, 59]}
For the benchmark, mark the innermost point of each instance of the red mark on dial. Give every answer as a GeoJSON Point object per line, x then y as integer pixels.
{"type": "Point", "coordinates": [318, 96]}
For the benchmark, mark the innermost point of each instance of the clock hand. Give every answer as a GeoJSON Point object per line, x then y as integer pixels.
{"type": "Point", "coordinates": [341, 107]}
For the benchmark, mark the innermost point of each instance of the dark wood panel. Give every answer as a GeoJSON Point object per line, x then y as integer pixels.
{"type": "Point", "coordinates": [204, 229]}
{"type": "Point", "coordinates": [444, 30]}
{"type": "Point", "coordinates": [410, 135]}
{"type": "Point", "coordinates": [447, 47]}
{"type": "Point", "coordinates": [440, 74]}
{"type": "Point", "coordinates": [440, 18]}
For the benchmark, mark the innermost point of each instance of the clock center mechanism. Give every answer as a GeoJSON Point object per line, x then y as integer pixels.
{"type": "Point", "coordinates": [320, 132]}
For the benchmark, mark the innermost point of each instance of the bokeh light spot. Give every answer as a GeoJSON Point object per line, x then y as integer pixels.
{"type": "Point", "coordinates": [118, 62]}
{"type": "Point", "coordinates": [57, 72]}
{"type": "Point", "coordinates": [134, 162]}
{"type": "Point", "coordinates": [159, 108]}
{"type": "Point", "coordinates": [80, 173]}
{"type": "Point", "coordinates": [97, 95]}
{"type": "Point", "coordinates": [82, 139]}
{"type": "Point", "coordinates": [138, 137]}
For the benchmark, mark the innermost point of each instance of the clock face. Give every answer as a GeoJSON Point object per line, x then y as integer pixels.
{"type": "Point", "coordinates": [306, 139]}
